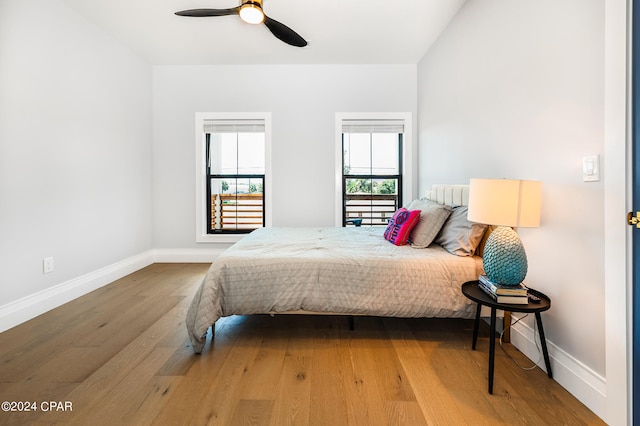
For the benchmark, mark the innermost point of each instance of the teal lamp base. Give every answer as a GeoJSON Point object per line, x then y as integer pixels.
{"type": "Point", "coordinates": [504, 259]}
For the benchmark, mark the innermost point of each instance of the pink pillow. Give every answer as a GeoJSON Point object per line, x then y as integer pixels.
{"type": "Point", "coordinates": [400, 226]}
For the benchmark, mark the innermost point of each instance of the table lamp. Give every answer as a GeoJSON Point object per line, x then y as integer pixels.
{"type": "Point", "coordinates": [508, 204]}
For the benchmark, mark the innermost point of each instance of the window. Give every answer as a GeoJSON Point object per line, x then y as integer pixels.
{"type": "Point", "coordinates": [372, 159]}
{"type": "Point", "coordinates": [233, 183]}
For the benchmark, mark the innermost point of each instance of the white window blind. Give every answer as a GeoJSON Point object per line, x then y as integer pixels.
{"type": "Point", "coordinates": [373, 126]}
{"type": "Point", "coordinates": [233, 126]}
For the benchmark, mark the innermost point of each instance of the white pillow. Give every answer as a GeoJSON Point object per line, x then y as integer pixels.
{"type": "Point", "coordinates": [459, 236]}
{"type": "Point", "coordinates": [432, 217]}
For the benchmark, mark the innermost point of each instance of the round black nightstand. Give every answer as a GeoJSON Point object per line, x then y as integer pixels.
{"type": "Point", "coordinates": [472, 291]}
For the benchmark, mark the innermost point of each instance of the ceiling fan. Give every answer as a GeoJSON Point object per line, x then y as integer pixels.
{"type": "Point", "coordinates": [250, 11]}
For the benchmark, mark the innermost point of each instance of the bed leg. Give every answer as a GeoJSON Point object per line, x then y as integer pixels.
{"type": "Point", "coordinates": [352, 323]}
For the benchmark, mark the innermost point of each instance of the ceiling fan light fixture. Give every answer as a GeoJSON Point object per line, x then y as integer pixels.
{"type": "Point", "coordinates": [251, 12]}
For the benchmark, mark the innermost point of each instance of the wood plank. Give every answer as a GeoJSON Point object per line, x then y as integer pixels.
{"type": "Point", "coordinates": [402, 413]}
{"type": "Point", "coordinates": [123, 399]}
{"type": "Point", "coordinates": [180, 361]}
{"type": "Point", "coordinates": [214, 401]}
{"type": "Point", "coordinates": [364, 405]}
{"type": "Point", "coordinates": [401, 337]}
{"type": "Point", "coordinates": [263, 373]}
{"type": "Point", "coordinates": [252, 413]}
{"type": "Point", "coordinates": [187, 394]}
{"type": "Point", "coordinates": [436, 402]}
{"type": "Point", "coordinates": [93, 391]}
{"type": "Point", "coordinates": [293, 394]}
{"type": "Point", "coordinates": [157, 393]}
{"type": "Point", "coordinates": [378, 362]}
{"type": "Point", "coordinates": [328, 395]}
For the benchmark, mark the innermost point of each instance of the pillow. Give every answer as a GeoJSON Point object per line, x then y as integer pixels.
{"type": "Point", "coordinates": [459, 236]}
{"type": "Point", "coordinates": [400, 226]}
{"type": "Point", "coordinates": [432, 217]}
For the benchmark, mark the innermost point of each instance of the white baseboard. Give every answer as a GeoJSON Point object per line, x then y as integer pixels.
{"type": "Point", "coordinates": [582, 382]}
{"type": "Point", "coordinates": [26, 308]}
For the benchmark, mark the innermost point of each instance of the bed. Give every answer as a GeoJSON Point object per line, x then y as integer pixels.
{"type": "Point", "coordinates": [348, 271]}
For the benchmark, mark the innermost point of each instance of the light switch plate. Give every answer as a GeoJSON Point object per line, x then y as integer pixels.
{"type": "Point", "coordinates": [47, 265]}
{"type": "Point", "coordinates": [591, 168]}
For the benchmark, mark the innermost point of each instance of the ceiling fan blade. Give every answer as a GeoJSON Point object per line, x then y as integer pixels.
{"type": "Point", "coordinates": [209, 12]}
{"type": "Point", "coordinates": [284, 33]}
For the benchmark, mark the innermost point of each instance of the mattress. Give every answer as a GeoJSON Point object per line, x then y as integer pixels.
{"type": "Point", "coordinates": [351, 271]}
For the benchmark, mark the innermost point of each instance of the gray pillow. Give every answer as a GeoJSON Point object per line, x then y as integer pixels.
{"type": "Point", "coordinates": [459, 236]}
{"type": "Point", "coordinates": [432, 217]}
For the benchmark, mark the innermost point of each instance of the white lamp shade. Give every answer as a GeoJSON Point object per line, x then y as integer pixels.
{"type": "Point", "coordinates": [505, 202]}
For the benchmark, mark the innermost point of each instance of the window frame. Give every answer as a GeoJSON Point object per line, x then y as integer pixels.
{"type": "Point", "coordinates": [229, 176]}
{"type": "Point", "coordinates": [407, 149]}
{"type": "Point", "coordinates": [372, 176]}
{"type": "Point", "coordinates": [201, 186]}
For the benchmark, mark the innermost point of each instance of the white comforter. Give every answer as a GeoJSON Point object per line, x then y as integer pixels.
{"type": "Point", "coordinates": [334, 270]}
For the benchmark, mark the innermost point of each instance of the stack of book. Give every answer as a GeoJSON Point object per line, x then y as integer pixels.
{"type": "Point", "coordinates": [512, 294]}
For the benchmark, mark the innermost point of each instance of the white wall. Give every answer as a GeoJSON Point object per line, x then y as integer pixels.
{"type": "Point", "coordinates": [516, 90]}
{"type": "Point", "coordinates": [302, 99]}
{"type": "Point", "coordinates": [618, 235]}
{"type": "Point", "coordinates": [75, 148]}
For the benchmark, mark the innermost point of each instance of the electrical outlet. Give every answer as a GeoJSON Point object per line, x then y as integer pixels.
{"type": "Point", "coordinates": [47, 265]}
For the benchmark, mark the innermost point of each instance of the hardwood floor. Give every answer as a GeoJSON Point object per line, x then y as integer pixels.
{"type": "Point", "coordinates": [120, 355]}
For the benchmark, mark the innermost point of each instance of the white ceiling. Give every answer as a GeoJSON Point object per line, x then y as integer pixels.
{"type": "Point", "coordinates": [338, 31]}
